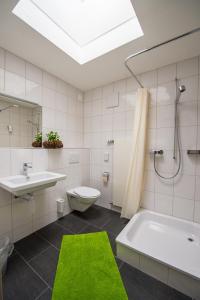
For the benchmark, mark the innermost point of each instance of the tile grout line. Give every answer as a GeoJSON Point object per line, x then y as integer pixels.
{"type": "Point", "coordinates": [33, 270]}
{"type": "Point", "coordinates": [32, 258]}
{"type": "Point", "coordinates": [50, 245]}
{"type": "Point", "coordinates": [42, 293]}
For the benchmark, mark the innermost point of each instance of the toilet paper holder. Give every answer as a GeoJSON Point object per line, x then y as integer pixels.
{"type": "Point", "coordinates": [105, 177]}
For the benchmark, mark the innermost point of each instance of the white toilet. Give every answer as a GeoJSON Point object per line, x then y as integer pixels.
{"type": "Point", "coordinates": [82, 197]}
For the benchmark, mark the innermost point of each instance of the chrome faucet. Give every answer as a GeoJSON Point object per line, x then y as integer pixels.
{"type": "Point", "coordinates": [26, 166]}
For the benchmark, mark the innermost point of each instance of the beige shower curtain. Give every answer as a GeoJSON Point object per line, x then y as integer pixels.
{"type": "Point", "coordinates": [134, 184]}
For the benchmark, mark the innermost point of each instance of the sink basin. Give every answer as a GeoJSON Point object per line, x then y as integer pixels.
{"type": "Point", "coordinates": [20, 184]}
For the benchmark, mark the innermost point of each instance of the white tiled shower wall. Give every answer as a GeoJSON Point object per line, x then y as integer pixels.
{"type": "Point", "coordinates": [179, 197]}
{"type": "Point", "coordinates": [62, 111]}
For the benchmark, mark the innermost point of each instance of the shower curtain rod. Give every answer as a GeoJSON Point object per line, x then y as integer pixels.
{"type": "Point", "coordinates": [151, 48]}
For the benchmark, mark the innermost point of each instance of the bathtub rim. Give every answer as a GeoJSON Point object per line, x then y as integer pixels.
{"type": "Point", "coordinates": [122, 239]}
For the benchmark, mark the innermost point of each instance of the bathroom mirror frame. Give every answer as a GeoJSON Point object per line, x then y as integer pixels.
{"type": "Point", "coordinates": [26, 105]}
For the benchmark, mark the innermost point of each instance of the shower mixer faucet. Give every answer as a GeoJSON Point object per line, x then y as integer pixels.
{"type": "Point", "coordinates": [155, 152]}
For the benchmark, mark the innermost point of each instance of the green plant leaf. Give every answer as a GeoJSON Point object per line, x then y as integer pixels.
{"type": "Point", "coordinates": [53, 136]}
{"type": "Point", "coordinates": [38, 137]}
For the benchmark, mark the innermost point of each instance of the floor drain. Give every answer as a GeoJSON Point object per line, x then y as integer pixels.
{"type": "Point", "coordinates": [190, 239]}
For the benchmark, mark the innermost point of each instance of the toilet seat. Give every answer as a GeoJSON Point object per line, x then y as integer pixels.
{"type": "Point", "coordinates": [84, 192]}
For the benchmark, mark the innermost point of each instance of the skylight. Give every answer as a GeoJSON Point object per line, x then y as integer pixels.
{"type": "Point", "coordinates": [84, 29]}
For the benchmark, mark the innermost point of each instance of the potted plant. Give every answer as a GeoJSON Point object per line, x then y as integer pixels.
{"type": "Point", "coordinates": [53, 141]}
{"type": "Point", "coordinates": [38, 140]}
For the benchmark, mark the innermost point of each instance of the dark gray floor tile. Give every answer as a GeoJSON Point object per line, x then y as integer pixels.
{"type": "Point", "coordinates": [46, 295]}
{"type": "Point", "coordinates": [112, 242]}
{"type": "Point", "coordinates": [72, 223]}
{"type": "Point", "coordinates": [141, 286]}
{"type": "Point", "coordinates": [116, 224]}
{"type": "Point", "coordinates": [90, 228]}
{"type": "Point", "coordinates": [53, 233]}
{"type": "Point", "coordinates": [20, 282]}
{"type": "Point", "coordinates": [134, 287]}
{"type": "Point", "coordinates": [119, 263]}
{"type": "Point", "coordinates": [31, 246]}
{"type": "Point", "coordinates": [45, 264]}
{"type": "Point", "coordinates": [95, 215]}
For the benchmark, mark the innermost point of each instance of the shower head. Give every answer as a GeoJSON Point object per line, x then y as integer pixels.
{"type": "Point", "coordinates": [7, 107]}
{"type": "Point", "coordinates": [181, 88]}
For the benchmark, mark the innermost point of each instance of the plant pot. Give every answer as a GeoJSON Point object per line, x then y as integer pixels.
{"type": "Point", "coordinates": [53, 144]}
{"type": "Point", "coordinates": [37, 144]}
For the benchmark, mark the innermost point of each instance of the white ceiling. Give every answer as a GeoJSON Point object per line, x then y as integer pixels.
{"type": "Point", "coordinates": [160, 20]}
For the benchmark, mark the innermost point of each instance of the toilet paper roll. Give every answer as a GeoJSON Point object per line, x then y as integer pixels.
{"type": "Point", "coordinates": [60, 205]}
{"type": "Point", "coordinates": [105, 177]}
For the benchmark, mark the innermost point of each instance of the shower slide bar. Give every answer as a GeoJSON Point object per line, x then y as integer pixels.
{"type": "Point", "coordinates": [154, 47]}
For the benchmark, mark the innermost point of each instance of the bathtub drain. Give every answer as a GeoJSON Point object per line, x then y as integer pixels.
{"type": "Point", "coordinates": [190, 239]}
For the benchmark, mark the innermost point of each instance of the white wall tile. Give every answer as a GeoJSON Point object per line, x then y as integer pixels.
{"type": "Point", "coordinates": [61, 86]}
{"type": "Point", "coordinates": [149, 79]}
{"type": "Point", "coordinates": [33, 92]}
{"type": "Point", "coordinates": [197, 211]}
{"type": "Point", "coordinates": [166, 93]}
{"type": "Point", "coordinates": [164, 138]}
{"type": "Point", "coordinates": [40, 160]}
{"type": "Point", "coordinates": [14, 64]}
{"type": "Point", "coordinates": [18, 157]}
{"type": "Point", "coordinates": [33, 73]}
{"type": "Point", "coordinates": [2, 68]}
{"type": "Point", "coordinates": [148, 200]}
{"type": "Point", "coordinates": [14, 84]}
{"type": "Point", "coordinates": [167, 73]}
{"type": "Point", "coordinates": [188, 137]}
{"type": "Point", "coordinates": [183, 208]}
{"type": "Point", "coordinates": [151, 117]}
{"type": "Point", "coordinates": [185, 186]}
{"type": "Point", "coordinates": [2, 58]}
{"type": "Point", "coordinates": [163, 204]}
{"type": "Point", "coordinates": [48, 118]}
{"type": "Point", "coordinates": [149, 181]}
{"type": "Point", "coordinates": [49, 81]}
{"type": "Point", "coordinates": [48, 98]}
{"type": "Point", "coordinates": [165, 163]}
{"type": "Point", "coordinates": [191, 92]}
{"type": "Point", "coordinates": [5, 168]}
{"type": "Point", "coordinates": [197, 188]}
{"type": "Point", "coordinates": [165, 116]}
{"type": "Point", "coordinates": [164, 186]}
{"type": "Point", "coordinates": [187, 68]}
{"type": "Point", "coordinates": [188, 114]}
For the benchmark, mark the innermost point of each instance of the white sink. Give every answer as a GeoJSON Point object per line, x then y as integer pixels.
{"type": "Point", "coordinates": [20, 184]}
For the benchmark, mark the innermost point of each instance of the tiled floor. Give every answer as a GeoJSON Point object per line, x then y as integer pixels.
{"type": "Point", "coordinates": [32, 266]}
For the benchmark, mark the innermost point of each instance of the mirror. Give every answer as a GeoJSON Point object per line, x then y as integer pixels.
{"type": "Point", "coordinates": [20, 121]}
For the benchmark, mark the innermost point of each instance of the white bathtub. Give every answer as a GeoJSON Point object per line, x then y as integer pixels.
{"type": "Point", "coordinates": [165, 247]}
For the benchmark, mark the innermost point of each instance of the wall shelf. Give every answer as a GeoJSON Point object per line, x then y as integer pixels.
{"type": "Point", "coordinates": [193, 152]}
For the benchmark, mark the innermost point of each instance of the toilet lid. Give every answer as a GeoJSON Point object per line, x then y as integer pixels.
{"type": "Point", "coordinates": [85, 191]}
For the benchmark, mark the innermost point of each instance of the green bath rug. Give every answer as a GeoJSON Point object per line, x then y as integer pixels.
{"type": "Point", "coordinates": [87, 269]}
